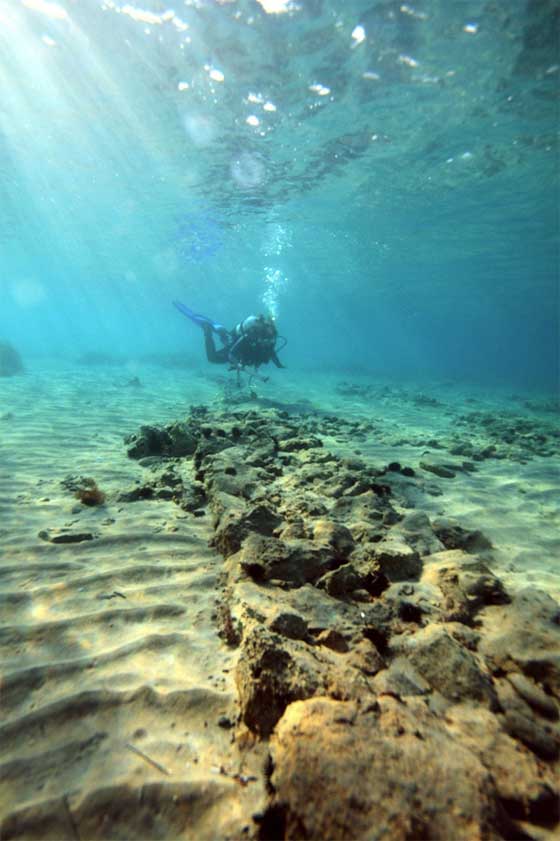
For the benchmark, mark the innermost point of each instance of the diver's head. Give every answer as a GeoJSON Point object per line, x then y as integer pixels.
{"type": "Point", "coordinates": [257, 327]}
{"type": "Point", "coordinates": [248, 325]}
{"type": "Point", "coordinates": [267, 328]}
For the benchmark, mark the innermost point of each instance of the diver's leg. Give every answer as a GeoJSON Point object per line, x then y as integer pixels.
{"type": "Point", "coordinates": [213, 355]}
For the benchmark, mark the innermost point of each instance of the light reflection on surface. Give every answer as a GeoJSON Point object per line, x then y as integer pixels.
{"type": "Point", "coordinates": [51, 10]}
{"type": "Point", "coordinates": [358, 35]}
{"type": "Point", "coordinates": [235, 106]}
{"type": "Point", "coordinates": [141, 15]}
{"type": "Point", "coordinates": [277, 7]}
{"type": "Point", "coordinates": [248, 171]}
{"type": "Point", "coordinates": [320, 90]}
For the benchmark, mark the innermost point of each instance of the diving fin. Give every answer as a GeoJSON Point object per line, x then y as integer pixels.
{"type": "Point", "coordinates": [201, 320]}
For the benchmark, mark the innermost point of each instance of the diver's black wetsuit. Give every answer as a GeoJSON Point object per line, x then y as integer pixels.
{"type": "Point", "coordinates": [242, 351]}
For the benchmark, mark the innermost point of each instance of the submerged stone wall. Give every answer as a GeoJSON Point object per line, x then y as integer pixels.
{"type": "Point", "coordinates": [402, 692]}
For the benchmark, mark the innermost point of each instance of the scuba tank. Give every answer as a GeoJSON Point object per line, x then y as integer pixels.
{"type": "Point", "coordinates": [245, 327]}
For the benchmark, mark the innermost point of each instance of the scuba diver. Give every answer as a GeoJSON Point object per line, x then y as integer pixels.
{"type": "Point", "coordinates": [252, 342]}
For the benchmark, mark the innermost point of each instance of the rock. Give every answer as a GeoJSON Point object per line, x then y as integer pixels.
{"type": "Point", "coordinates": [466, 584]}
{"type": "Point", "coordinates": [364, 392]}
{"type": "Point", "coordinates": [465, 636]}
{"type": "Point", "coordinates": [447, 666]}
{"type": "Point", "coordinates": [193, 497]}
{"type": "Point", "coordinates": [360, 595]}
{"type": "Point", "coordinates": [425, 400]}
{"type": "Point", "coordinates": [367, 566]}
{"type": "Point", "coordinates": [432, 489]}
{"type": "Point", "coordinates": [65, 536]}
{"type": "Point", "coordinates": [333, 639]}
{"type": "Point", "coordinates": [526, 787]}
{"type": "Point", "coordinates": [235, 522]}
{"type": "Point", "coordinates": [340, 582]}
{"type": "Point", "coordinates": [334, 534]}
{"type": "Point", "coordinates": [150, 461]}
{"type": "Point", "coordinates": [366, 508]}
{"type": "Point", "coordinates": [170, 479]}
{"type": "Point", "coordinates": [413, 602]}
{"type": "Point", "coordinates": [173, 441]}
{"type": "Point", "coordinates": [537, 737]}
{"type": "Point", "coordinates": [261, 519]}
{"type": "Point", "coordinates": [397, 560]}
{"type": "Point", "coordinates": [268, 678]}
{"type": "Point", "coordinates": [524, 635]}
{"type": "Point", "coordinates": [389, 772]}
{"type": "Point", "coordinates": [416, 522]}
{"type": "Point", "coordinates": [293, 530]}
{"type": "Point", "coordinates": [365, 657]}
{"type": "Point", "coordinates": [453, 536]}
{"type": "Point", "coordinates": [291, 445]}
{"type": "Point", "coordinates": [263, 456]}
{"type": "Point", "coordinates": [445, 472]}
{"type": "Point", "coordinates": [534, 695]}
{"type": "Point", "coordinates": [520, 720]}
{"type": "Point", "coordinates": [145, 491]}
{"type": "Point", "coordinates": [360, 486]}
{"type": "Point", "coordinates": [296, 562]}
{"type": "Point", "coordinates": [510, 700]}
{"type": "Point", "coordinates": [74, 482]}
{"type": "Point", "coordinates": [290, 625]}
{"type": "Point", "coordinates": [227, 472]}
{"type": "Point", "coordinates": [10, 360]}
{"type": "Point", "coordinates": [312, 543]}
{"type": "Point", "coordinates": [417, 532]}
{"type": "Point", "coordinates": [409, 611]}
{"type": "Point", "coordinates": [302, 507]}
{"type": "Point", "coordinates": [148, 441]}
{"type": "Point", "coordinates": [390, 518]}
{"type": "Point", "coordinates": [400, 679]}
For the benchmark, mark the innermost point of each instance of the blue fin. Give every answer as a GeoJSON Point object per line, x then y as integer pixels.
{"type": "Point", "coordinates": [201, 320]}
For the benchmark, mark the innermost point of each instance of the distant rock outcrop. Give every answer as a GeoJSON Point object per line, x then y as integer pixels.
{"type": "Point", "coordinates": [10, 360]}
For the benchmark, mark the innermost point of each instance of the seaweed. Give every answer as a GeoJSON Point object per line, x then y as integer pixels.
{"type": "Point", "coordinates": [90, 494]}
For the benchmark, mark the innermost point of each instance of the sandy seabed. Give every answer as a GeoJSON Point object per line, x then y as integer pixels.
{"type": "Point", "coordinates": [119, 705]}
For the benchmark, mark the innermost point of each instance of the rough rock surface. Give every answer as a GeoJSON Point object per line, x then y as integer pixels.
{"type": "Point", "coordinates": [526, 638]}
{"type": "Point", "coordinates": [402, 691]}
{"type": "Point", "coordinates": [466, 583]}
{"type": "Point", "coordinates": [384, 771]}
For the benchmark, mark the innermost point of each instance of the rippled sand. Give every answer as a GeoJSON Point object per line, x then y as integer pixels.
{"type": "Point", "coordinates": [113, 677]}
{"type": "Point", "coordinates": [116, 688]}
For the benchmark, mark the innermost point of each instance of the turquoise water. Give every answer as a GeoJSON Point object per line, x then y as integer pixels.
{"type": "Point", "coordinates": [186, 563]}
{"type": "Point", "coordinates": [382, 177]}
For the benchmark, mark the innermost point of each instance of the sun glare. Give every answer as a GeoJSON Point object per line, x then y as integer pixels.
{"type": "Point", "coordinates": [277, 7]}
{"type": "Point", "coordinates": [51, 10]}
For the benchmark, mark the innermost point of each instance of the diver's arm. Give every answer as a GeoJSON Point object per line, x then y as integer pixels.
{"type": "Point", "coordinates": [235, 352]}
{"type": "Point", "coordinates": [274, 358]}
